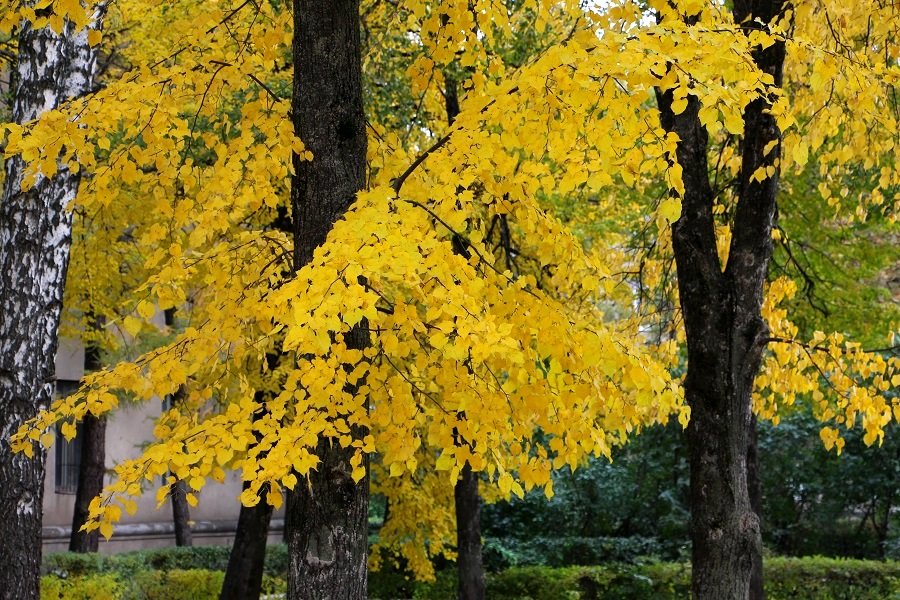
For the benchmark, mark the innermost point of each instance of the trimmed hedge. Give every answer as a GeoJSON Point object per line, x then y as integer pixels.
{"type": "Point", "coordinates": [151, 575]}
{"type": "Point", "coordinates": [832, 579]}
{"type": "Point", "coordinates": [211, 558]}
{"type": "Point", "coordinates": [812, 578]}
{"type": "Point", "coordinates": [92, 587]}
{"type": "Point", "coordinates": [174, 584]}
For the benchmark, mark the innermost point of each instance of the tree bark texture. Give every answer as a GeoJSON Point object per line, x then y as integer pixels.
{"type": "Point", "coordinates": [181, 510]}
{"type": "Point", "coordinates": [35, 235]}
{"type": "Point", "coordinates": [243, 577]}
{"type": "Point", "coordinates": [91, 467]}
{"type": "Point", "coordinates": [181, 514]}
{"type": "Point", "coordinates": [327, 516]}
{"type": "Point", "coordinates": [469, 566]}
{"type": "Point", "coordinates": [754, 487]}
{"type": "Point", "coordinates": [726, 334]}
{"type": "Point", "coordinates": [468, 536]}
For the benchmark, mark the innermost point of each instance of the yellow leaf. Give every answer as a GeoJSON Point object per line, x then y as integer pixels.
{"type": "Point", "coordinates": [114, 513]}
{"type": "Point", "coordinates": [249, 497]}
{"type": "Point", "coordinates": [679, 106]}
{"type": "Point", "coordinates": [670, 209]}
{"type": "Point", "coordinates": [133, 325]}
{"type": "Point", "coordinates": [801, 153]}
{"type": "Point", "coordinates": [734, 122]}
{"type": "Point", "coordinates": [275, 498]}
{"type": "Point", "coordinates": [129, 505]}
{"type": "Point", "coordinates": [146, 309]}
{"type": "Point", "coordinates": [445, 461]}
{"type": "Point", "coordinates": [357, 474]}
{"type": "Point", "coordinates": [48, 438]}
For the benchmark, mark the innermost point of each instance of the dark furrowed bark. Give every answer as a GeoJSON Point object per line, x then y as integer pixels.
{"type": "Point", "coordinates": [754, 486]}
{"type": "Point", "coordinates": [725, 335]}
{"type": "Point", "coordinates": [724, 528]}
{"type": "Point", "coordinates": [751, 246]}
{"type": "Point", "coordinates": [35, 235]}
{"type": "Point", "coordinates": [327, 516]}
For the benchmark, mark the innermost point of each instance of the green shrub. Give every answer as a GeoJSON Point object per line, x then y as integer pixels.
{"type": "Point", "coordinates": [443, 588]}
{"type": "Point", "coordinates": [191, 584]}
{"type": "Point", "coordinates": [390, 582]}
{"type": "Point", "coordinates": [210, 558]}
{"type": "Point", "coordinates": [174, 584]}
{"type": "Point", "coordinates": [67, 564]}
{"type": "Point", "coordinates": [502, 553]}
{"type": "Point", "coordinates": [786, 578]}
{"type": "Point", "coordinates": [536, 583]}
{"type": "Point", "coordinates": [831, 579]}
{"type": "Point", "coordinates": [276, 560]}
{"type": "Point", "coordinates": [89, 587]}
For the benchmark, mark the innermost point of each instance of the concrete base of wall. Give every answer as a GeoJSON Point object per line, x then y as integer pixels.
{"type": "Point", "coordinates": [139, 536]}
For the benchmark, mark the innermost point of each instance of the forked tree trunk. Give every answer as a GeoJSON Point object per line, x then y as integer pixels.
{"type": "Point", "coordinates": [726, 334]}
{"type": "Point", "coordinates": [91, 467]}
{"type": "Point", "coordinates": [35, 235]}
{"type": "Point", "coordinates": [469, 565]}
{"type": "Point", "coordinates": [327, 518]}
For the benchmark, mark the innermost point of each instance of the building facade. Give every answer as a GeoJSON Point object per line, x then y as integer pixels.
{"type": "Point", "coordinates": [213, 520]}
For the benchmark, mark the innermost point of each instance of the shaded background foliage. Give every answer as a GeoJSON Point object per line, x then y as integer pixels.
{"type": "Point", "coordinates": [815, 502]}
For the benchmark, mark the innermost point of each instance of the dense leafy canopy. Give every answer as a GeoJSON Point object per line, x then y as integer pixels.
{"type": "Point", "coordinates": [502, 337]}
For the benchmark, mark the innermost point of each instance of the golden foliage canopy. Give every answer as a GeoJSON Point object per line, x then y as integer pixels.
{"type": "Point", "coordinates": [516, 358]}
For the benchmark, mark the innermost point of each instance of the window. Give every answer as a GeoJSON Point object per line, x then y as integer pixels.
{"type": "Point", "coordinates": [68, 453]}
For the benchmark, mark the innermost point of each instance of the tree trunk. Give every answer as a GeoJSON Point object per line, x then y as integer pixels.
{"type": "Point", "coordinates": [181, 511]}
{"type": "Point", "coordinates": [91, 468]}
{"type": "Point", "coordinates": [181, 514]}
{"type": "Point", "coordinates": [91, 471]}
{"type": "Point", "coordinates": [726, 334]}
{"type": "Point", "coordinates": [468, 536]}
{"type": "Point", "coordinates": [754, 487]}
{"type": "Point", "coordinates": [327, 518]}
{"type": "Point", "coordinates": [469, 566]}
{"type": "Point", "coordinates": [35, 235]}
{"type": "Point", "coordinates": [243, 578]}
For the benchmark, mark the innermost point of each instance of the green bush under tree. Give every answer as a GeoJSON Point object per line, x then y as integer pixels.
{"type": "Point", "coordinates": [786, 579]}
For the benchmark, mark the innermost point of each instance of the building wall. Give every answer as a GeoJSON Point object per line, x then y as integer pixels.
{"type": "Point", "coordinates": [129, 427]}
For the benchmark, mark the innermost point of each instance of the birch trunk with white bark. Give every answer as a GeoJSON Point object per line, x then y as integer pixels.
{"type": "Point", "coordinates": [35, 235]}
